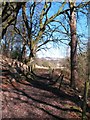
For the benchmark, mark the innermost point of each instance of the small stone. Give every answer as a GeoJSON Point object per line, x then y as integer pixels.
{"type": "Point", "coordinates": [13, 80]}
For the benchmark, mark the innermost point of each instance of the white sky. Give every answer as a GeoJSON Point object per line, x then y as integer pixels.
{"type": "Point", "coordinates": [54, 52]}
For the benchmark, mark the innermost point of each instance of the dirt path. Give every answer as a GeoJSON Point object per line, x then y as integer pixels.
{"type": "Point", "coordinates": [34, 99]}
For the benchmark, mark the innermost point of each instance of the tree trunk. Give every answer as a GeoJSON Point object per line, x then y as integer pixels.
{"type": "Point", "coordinates": [85, 96]}
{"type": "Point", "coordinates": [74, 73]}
{"type": "Point", "coordinates": [87, 82]}
{"type": "Point", "coordinates": [23, 53]}
{"type": "Point", "coordinates": [31, 56]}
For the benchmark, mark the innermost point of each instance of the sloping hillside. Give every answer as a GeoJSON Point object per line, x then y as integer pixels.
{"type": "Point", "coordinates": [30, 96]}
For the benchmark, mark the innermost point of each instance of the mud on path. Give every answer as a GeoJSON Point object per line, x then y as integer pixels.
{"type": "Point", "coordinates": [31, 97]}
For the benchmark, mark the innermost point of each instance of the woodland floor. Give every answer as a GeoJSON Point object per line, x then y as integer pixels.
{"type": "Point", "coordinates": [31, 97]}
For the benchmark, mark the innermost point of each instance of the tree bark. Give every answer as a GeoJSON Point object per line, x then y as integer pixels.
{"type": "Point", "coordinates": [74, 73]}
{"type": "Point", "coordinates": [23, 53]}
{"type": "Point", "coordinates": [85, 96]}
{"type": "Point", "coordinates": [9, 17]}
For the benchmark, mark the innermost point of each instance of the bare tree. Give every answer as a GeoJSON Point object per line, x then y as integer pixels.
{"type": "Point", "coordinates": [73, 44]}
{"type": "Point", "coordinates": [9, 14]}
{"type": "Point", "coordinates": [74, 39]}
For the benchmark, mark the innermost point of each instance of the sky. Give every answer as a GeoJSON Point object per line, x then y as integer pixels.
{"type": "Point", "coordinates": [53, 52]}
{"type": "Point", "coordinates": [63, 50]}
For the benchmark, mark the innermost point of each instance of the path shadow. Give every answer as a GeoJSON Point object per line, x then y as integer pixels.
{"type": "Point", "coordinates": [54, 117]}
{"type": "Point", "coordinates": [41, 84]}
{"type": "Point", "coordinates": [59, 93]}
